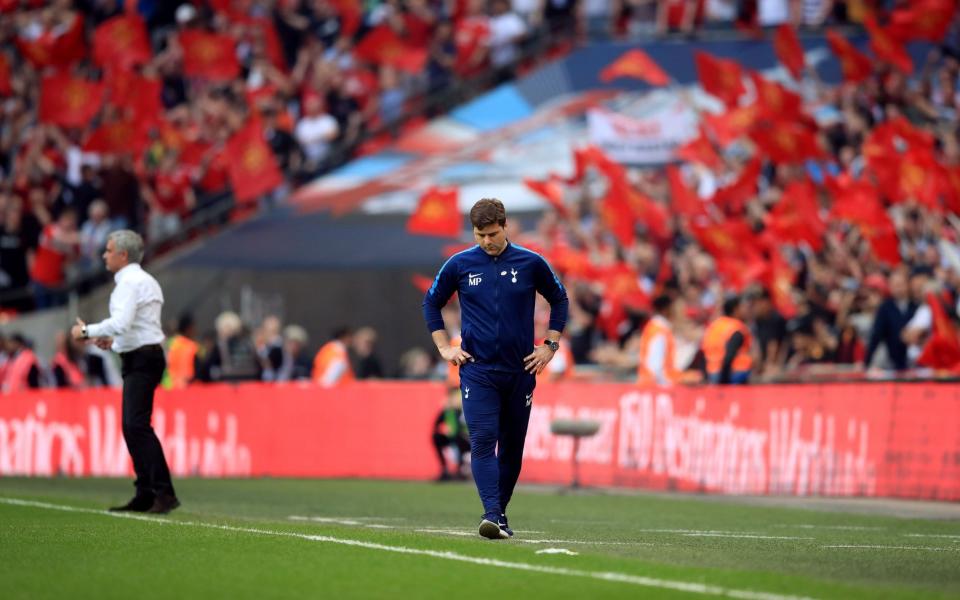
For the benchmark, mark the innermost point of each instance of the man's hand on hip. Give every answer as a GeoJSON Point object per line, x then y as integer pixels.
{"type": "Point", "coordinates": [79, 331]}
{"type": "Point", "coordinates": [455, 355]}
{"type": "Point", "coordinates": [537, 360]}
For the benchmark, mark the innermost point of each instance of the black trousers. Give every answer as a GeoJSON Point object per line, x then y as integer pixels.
{"type": "Point", "coordinates": [142, 369]}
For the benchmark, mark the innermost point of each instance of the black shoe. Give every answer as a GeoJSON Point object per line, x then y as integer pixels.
{"type": "Point", "coordinates": [490, 527]}
{"type": "Point", "coordinates": [164, 504]}
{"type": "Point", "coordinates": [139, 503]}
{"type": "Point", "coordinates": [504, 525]}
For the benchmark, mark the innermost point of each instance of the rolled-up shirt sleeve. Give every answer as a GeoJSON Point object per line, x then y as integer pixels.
{"type": "Point", "coordinates": [123, 309]}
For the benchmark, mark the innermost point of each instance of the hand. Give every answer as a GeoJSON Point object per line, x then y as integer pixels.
{"type": "Point", "coordinates": [104, 343]}
{"type": "Point", "coordinates": [77, 330]}
{"type": "Point", "coordinates": [455, 355]}
{"type": "Point", "coordinates": [538, 359]}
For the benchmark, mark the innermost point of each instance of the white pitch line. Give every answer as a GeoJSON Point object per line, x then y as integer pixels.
{"type": "Point", "coordinates": [746, 536]}
{"type": "Point", "coordinates": [870, 547]}
{"type": "Point", "coordinates": [839, 527]}
{"type": "Point", "coordinates": [639, 580]}
{"type": "Point", "coordinates": [522, 540]}
{"type": "Point", "coordinates": [935, 535]}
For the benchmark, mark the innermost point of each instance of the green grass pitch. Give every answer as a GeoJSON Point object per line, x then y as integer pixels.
{"type": "Point", "coordinates": [372, 539]}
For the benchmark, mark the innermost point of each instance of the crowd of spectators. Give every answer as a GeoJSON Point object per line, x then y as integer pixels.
{"type": "Point", "coordinates": [159, 90]}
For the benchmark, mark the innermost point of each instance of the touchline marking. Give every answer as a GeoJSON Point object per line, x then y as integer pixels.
{"type": "Point", "coordinates": [747, 536]}
{"type": "Point", "coordinates": [867, 547]}
{"type": "Point", "coordinates": [935, 535]}
{"type": "Point", "coordinates": [536, 541]}
{"type": "Point", "coordinates": [651, 582]}
{"type": "Point", "coordinates": [840, 527]}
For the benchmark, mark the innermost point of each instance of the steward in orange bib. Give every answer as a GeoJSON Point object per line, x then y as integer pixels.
{"type": "Point", "coordinates": [726, 345]}
{"type": "Point", "coordinates": [656, 359]}
{"type": "Point", "coordinates": [331, 366]}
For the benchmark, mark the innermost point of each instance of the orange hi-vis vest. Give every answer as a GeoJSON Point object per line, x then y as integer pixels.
{"type": "Point", "coordinates": [181, 357]}
{"type": "Point", "coordinates": [715, 344]}
{"type": "Point", "coordinates": [656, 327]}
{"type": "Point", "coordinates": [331, 366]}
{"type": "Point", "coordinates": [74, 375]}
{"type": "Point", "coordinates": [17, 374]}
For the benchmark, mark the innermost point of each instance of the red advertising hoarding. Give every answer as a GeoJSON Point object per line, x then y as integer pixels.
{"type": "Point", "coordinates": [897, 440]}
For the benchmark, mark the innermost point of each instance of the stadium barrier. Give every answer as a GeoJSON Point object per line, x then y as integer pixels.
{"type": "Point", "coordinates": [882, 439]}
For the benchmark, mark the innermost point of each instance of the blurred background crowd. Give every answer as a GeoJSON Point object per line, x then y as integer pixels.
{"type": "Point", "coordinates": [840, 241]}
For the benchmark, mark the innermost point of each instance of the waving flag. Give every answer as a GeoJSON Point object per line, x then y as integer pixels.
{"type": "Point", "coordinates": [720, 77]}
{"type": "Point", "coordinates": [789, 51]}
{"type": "Point", "coordinates": [638, 65]}
{"type": "Point", "coordinates": [69, 101]}
{"type": "Point", "coordinates": [209, 56]}
{"type": "Point", "coordinates": [437, 214]}
{"type": "Point", "coordinates": [252, 167]}
{"type": "Point", "coordinates": [550, 190]}
{"type": "Point", "coordinates": [886, 47]}
{"type": "Point", "coordinates": [699, 150]}
{"type": "Point", "coordinates": [856, 65]}
{"type": "Point", "coordinates": [922, 20]}
{"type": "Point", "coordinates": [122, 42]}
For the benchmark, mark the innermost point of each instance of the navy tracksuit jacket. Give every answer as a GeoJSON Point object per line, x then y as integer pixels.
{"type": "Point", "coordinates": [497, 295]}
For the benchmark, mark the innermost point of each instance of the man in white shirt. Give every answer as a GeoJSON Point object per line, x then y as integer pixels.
{"type": "Point", "coordinates": [133, 331]}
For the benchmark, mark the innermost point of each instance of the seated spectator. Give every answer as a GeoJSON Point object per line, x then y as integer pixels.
{"type": "Point", "coordinates": [363, 352]}
{"type": "Point", "coordinates": [295, 361]}
{"type": "Point", "coordinates": [892, 316]}
{"type": "Point", "coordinates": [233, 356]}
{"type": "Point", "coordinates": [269, 342]}
{"type": "Point", "coordinates": [416, 364]}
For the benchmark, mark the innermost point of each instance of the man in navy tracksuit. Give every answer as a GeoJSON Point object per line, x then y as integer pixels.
{"type": "Point", "coordinates": [497, 282]}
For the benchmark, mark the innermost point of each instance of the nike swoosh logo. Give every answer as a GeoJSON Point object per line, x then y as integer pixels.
{"type": "Point", "coordinates": [474, 274]}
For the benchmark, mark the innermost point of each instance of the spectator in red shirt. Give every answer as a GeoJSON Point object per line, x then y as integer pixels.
{"type": "Point", "coordinates": [58, 247]}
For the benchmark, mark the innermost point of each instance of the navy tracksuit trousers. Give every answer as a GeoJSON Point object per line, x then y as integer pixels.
{"type": "Point", "coordinates": [496, 405]}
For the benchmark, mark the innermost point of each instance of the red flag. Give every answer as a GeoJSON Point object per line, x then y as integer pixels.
{"type": "Point", "coordinates": [252, 167]}
{"type": "Point", "coordinates": [116, 137]}
{"type": "Point", "coordinates": [950, 180]}
{"type": "Point", "coordinates": [68, 101]}
{"type": "Point", "coordinates": [858, 202]}
{"type": "Point", "coordinates": [51, 49]}
{"type": "Point", "coordinates": [720, 77]}
{"type": "Point", "coordinates": [886, 47]}
{"type": "Point", "coordinates": [638, 65]}
{"type": "Point", "coordinates": [775, 101]}
{"type": "Point", "coordinates": [652, 214]}
{"type": "Point", "coordinates": [209, 55]}
{"type": "Point", "coordinates": [787, 142]}
{"type": "Point", "coordinates": [683, 199]}
{"type": "Point", "coordinates": [856, 65]}
{"type": "Point", "coordinates": [618, 216]}
{"type": "Point", "coordinates": [6, 86]}
{"type": "Point", "coordinates": [382, 45]}
{"type": "Point", "coordinates": [437, 214]}
{"type": "Point", "coordinates": [733, 246]}
{"type": "Point", "coordinates": [699, 150]}
{"type": "Point", "coordinates": [734, 197]}
{"type": "Point", "coordinates": [789, 51]}
{"type": "Point", "coordinates": [733, 124]}
{"type": "Point", "coordinates": [351, 15]}
{"type": "Point", "coordinates": [122, 42]}
{"type": "Point", "coordinates": [942, 350]}
{"type": "Point", "coordinates": [918, 179]}
{"type": "Point", "coordinates": [922, 20]}
{"type": "Point", "coordinates": [552, 191]}
{"type": "Point", "coordinates": [796, 217]}
{"type": "Point", "coordinates": [780, 283]}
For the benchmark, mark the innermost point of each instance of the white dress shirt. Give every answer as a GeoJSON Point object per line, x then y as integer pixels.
{"type": "Point", "coordinates": [134, 311]}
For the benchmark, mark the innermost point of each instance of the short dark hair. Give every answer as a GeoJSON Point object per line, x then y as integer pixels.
{"type": "Point", "coordinates": [730, 305]}
{"type": "Point", "coordinates": [487, 212]}
{"type": "Point", "coordinates": [661, 303]}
